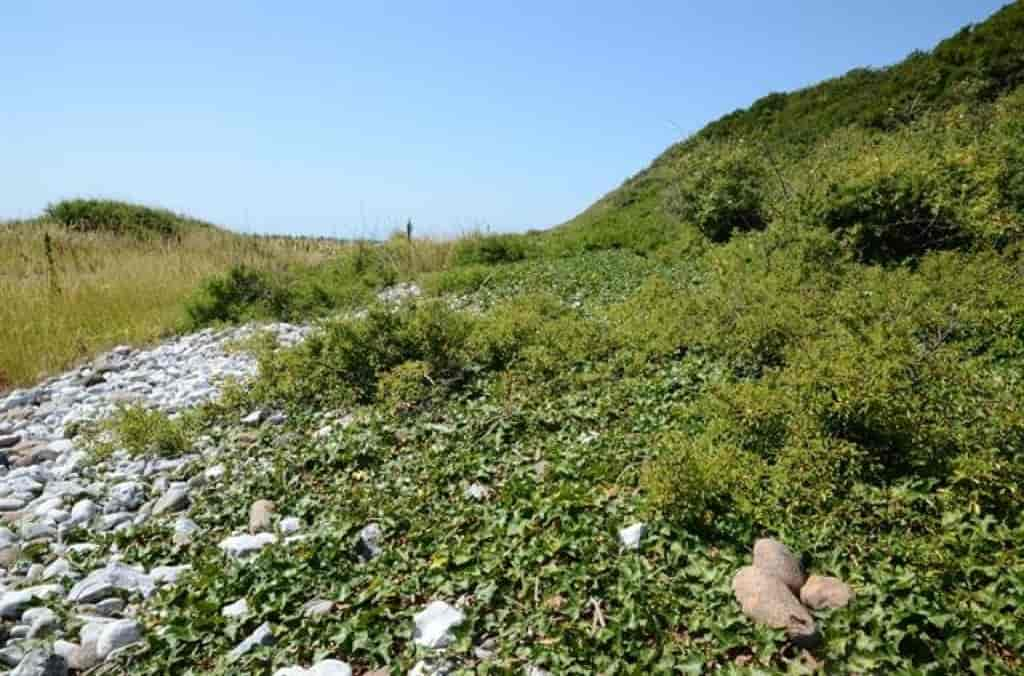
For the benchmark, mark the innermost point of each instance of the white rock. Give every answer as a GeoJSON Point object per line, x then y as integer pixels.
{"type": "Point", "coordinates": [434, 625]}
{"type": "Point", "coordinates": [322, 668]}
{"type": "Point", "coordinates": [253, 419]}
{"type": "Point", "coordinates": [235, 610]}
{"type": "Point", "coordinates": [263, 636]}
{"type": "Point", "coordinates": [370, 538]}
{"type": "Point", "coordinates": [107, 582]}
{"type": "Point", "coordinates": [11, 504]}
{"type": "Point", "coordinates": [630, 536]}
{"type": "Point", "coordinates": [174, 500]}
{"type": "Point", "coordinates": [168, 574]}
{"type": "Point", "coordinates": [41, 662]}
{"type": "Point", "coordinates": [13, 603]}
{"type": "Point", "coordinates": [40, 621]}
{"type": "Point", "coordinates": [215, 472]}
{"type": "Point", "coordinates": [59, 568]}
{"type": "Point", "coordinates": [117, 635]}
{"type": "Point", "coordinates": [477, 491]}
{"type": "Point", "coordinates": [126, 496]}
{"type": "Point", "coordinates": [432, 668]}
{"type": "Point", "coordinates": [289, 525]}
{"type": "Point", "coordinates": [242, 546]}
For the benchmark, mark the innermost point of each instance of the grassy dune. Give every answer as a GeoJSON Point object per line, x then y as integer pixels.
{"type": "Point", "coordinates": [70, 293]}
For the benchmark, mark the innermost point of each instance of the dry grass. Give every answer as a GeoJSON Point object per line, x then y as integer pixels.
{"type": "Point", "coordinates": [86, 292]}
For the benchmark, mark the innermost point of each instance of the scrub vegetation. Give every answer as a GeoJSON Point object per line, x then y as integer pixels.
{"type": "Point", "coordinates": [805, 321]}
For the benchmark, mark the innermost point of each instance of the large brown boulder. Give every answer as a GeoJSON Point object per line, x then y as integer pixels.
{"type": "Point", "coordinates": [767, 600]}
{"type": "Point", "coordinates": [777, 560]}
{"type": "Point", "coordinates": [825, 592]}
{"type": "Point", "coordinates": [261, 517]}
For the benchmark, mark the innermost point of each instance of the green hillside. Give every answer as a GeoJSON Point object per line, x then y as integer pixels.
{"type": "Point", "coordinates": [968, 74]}
{"type": "Point", "coordinates": [804, 322]}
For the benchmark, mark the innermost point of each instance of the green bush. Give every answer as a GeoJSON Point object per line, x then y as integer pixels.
{"type": "Point", "coordinates": [141, 431]}
{"type": "Point", "coordinates": [719, 187]}
{"type": "Point", "coordinates": [458, 280]}
{"type": "Point", "coordinates": [240, 294]}
{"type": "Point", "coordinates": [895, 375]}
{"type": "Point", "coordinates": [117, 217]}
{"type": "Point", "coordinates": [285, 294]}
{"type": "Point", "coordinates": [406, 387]}
{"type": "Point", "coordinates": [696, 481]}
{"type": "Point", "coordinates": [492, 249]}
{"type": "Point", "coordinates": [344, 361]}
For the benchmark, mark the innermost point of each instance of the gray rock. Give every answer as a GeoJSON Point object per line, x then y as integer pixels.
{"type": "Point", "coordinates": [38, 531]}
{"type": "Point", "coordinates": [776, 559]}
{"type": "Point", "coordinates": [65, 649]}
{"type": "Point", "coordinates": [261, 515]}
{"type": "Point", "coordinates": [125, 497]}
{"type": "Point", "coordinates": [117, 635]}
{"type": "Point", "coordinates": [477, 491]}
{"type": "Point", "coordinates": [12, 655]}
{"type": "Point", "coordinates": [41, 622]}
{"type": "Point", "coordinates": [7, 537]}
{"type": "Point", "coordinates": [174, 500]}
{"type": "Point", "coordinates": [168, 574]}
{"type": "Point", "coordinates": [767, 600]}
{"type": "Point", "coordinates": [58, 569]}
{"type": "Point", "coordinates": [41, 662]}
{"type": "Point", "coordinates": [239, 608]}
{"type": "Point", "coordinates": [253, 419]}
{"type": "Point", "coordinates": [11, 504]}
{"type": "Point", "coordinates": [631, 535]}
{"type": "Point", "coordinates": [434, 623]}
{"type": "Point", "coordinates": [263, 636]}
{"type": "Point", "coordinates": [84, 511]}
{"type": "Point", "coordinates": [110, 607]}
{"type": "Point", "coordinates": [9, 440]}
{"type": "Point", "coordinates": [14, 603]}
{"type": "Point", "coordinates": [23, 484]}
{"type": "Point", "coordinates": [317, 608]}
{"type": "Point", "coordinates": [322, 668]}
{"type": "Point", "coordinates": [369, 544]}
{"type": "Point", "coordinates": [440, 667]}
{"type": "Point", "coordinates": [9, 555]}
{"type": "Point", "coordinates": [112, 521]}
{"type": "Point", "coordinates": [289, 526]}
{"type": "Point", "coordinates": [821, 592]}
{"type": "Point", "coordinates": [90, 636]}
{"type": "Point", "coordinates": [243, 546]}
{"type": "Point", "coordinates": [106, 582]}
{"type": "Point", "coordinates": [184, 528]}
{"type": "Point", "coordinates": [214, 473]}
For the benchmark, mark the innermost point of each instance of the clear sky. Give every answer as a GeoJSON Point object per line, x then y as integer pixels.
{"type": "Point", "coordinates": [346, 118]}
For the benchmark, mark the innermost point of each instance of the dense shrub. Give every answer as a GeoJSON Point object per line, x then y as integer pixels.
{"type": "Point", "coordinates": [286, 294]}
{"type": "Point", "coordinates": [719, 187]}
{"type": "Point", "coordinates": [139, 430]}
{"type": "Point", "coordinates": [118, 217]}
{"type": "Point", "coordinates": [754, 297]}
{"type": "Point", "coordinates": [751, 167]}
{"type": "Point", "coordinates": [898, 374]}
{"type": "Point", "coordinates": [242, 293]}
{"type": "Point", "coordinates": [345, 361]}
{"type": "Point", "coordinates": [492, 249]}
{"type": "Point", "coordinates": [936, 184]}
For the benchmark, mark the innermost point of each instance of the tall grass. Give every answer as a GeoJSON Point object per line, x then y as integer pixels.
{"type": "Point", "coordinates": [66, 295]}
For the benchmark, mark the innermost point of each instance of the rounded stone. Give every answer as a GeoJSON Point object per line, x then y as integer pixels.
{"type": "Point", "coordinates": [776, 559]}
{"type": "Point", "coordinates": [820, 592]}
{"type": "Point", "coordinates": [767, 600]}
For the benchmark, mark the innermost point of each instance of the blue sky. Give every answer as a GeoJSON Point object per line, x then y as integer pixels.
{"type": "Point", "coordinates": [341, 118]}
